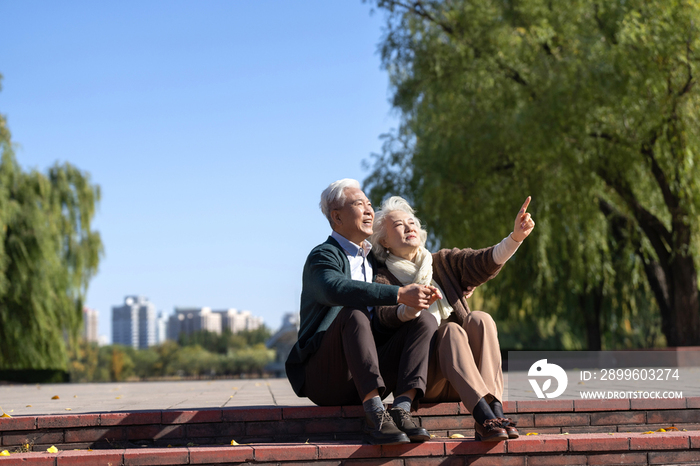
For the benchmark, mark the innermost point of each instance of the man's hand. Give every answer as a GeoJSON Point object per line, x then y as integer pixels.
{"type": "Point", "coordinates": [418, 296]}
{"type": "Point", "coordinates": [524, 224]}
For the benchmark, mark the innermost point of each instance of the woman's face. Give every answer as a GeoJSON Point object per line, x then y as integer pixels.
{"type": "Point", "coordinates": [402, 238]}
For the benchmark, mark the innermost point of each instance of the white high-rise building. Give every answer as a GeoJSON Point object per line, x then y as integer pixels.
{"type": "Point", "coordinates": [90, 326]}
{"type": "Point", "coordinates": [134, 323]}
{"type": "Point", "coordinates": [188, 320]}
{"type": "Point", "coordinates": [236, 321]}
{"type": "Point", "coordinates": [161, 328]}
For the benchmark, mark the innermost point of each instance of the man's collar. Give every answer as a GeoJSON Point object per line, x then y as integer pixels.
{"type": "Point", "coordinates": [351, 248]}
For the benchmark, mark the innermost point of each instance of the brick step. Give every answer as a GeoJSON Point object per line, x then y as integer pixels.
{"type": "Point", "coordinates": [275, 424]}
{"type": "Point", "coordinates": [546, 449]}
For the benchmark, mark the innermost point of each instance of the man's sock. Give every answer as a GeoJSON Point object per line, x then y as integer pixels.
{"type": "Point", "coordinates": [482, 411]}
{"type": "Point", "coordinates": [403, 402]}
{"type": "Point", "coordinates": [373, 405]}
{"type": "Point", "coordinates": [497, 408]}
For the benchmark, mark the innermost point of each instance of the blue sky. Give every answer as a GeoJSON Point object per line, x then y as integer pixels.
{"type": "Point", "coordinates": [211, 127]}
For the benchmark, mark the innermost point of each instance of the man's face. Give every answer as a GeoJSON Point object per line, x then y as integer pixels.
{"type": "Point", "coordinates": [354, 220]}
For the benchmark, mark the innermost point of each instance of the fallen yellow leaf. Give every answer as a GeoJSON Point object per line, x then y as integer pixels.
{"type": "Point", "coordinates": [4, 453]}
{"type": "Point", "coordinates": [29, 406]}
{"type": "Point", "coordinates": [234, 443]}
{"type": "Point", "coordinates": [456, 436]}
{"type": "Point", "coordinates": [52, 449]}
{"type": "Point", "coordinates": [55, 397]}
{"type": "Point", "coordinates": [532, 433]}
{"type": "Point", "coordinates": [118, 397]}
{"type": "Point", "coordinates": [68, 409]}
{"type": "Point", "coordinates": [648, 432]}
{"type": "Point", "coordinates": [4, 414]}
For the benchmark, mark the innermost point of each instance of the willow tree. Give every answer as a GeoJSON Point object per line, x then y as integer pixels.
{"type": "Point", "coordinates": [48, 253]}
{"type": "Point", "coordinates": [589, 106]}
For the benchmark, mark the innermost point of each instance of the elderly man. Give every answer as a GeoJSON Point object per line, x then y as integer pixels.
{"type": "Point", "coordinates": [343, 356]}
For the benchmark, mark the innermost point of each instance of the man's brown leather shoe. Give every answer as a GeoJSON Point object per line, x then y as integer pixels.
{"type": "Point", "coordinates": [490, 431]}
{"type": "Point", "coordinates": [380, 429]}
{"type": "Point", "coordinates": [509, 425]}
{"type": "Point", "coordinates": [404, 421]}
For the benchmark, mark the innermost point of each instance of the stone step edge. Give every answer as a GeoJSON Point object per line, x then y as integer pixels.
{"type": "Point", "coordinates": [540, 445]}
{"type": "Point", "coordinates": [279, 413]}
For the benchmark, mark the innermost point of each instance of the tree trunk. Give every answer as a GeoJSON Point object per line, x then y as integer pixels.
{"type": "Point", "coordinates": [675, 287]}
{"type": "Point", "coordinates": [590, 304]}
{"type": "Point", "coordinates": [674, 283]}
{"type": "Point", "coordinates": [684, 318]}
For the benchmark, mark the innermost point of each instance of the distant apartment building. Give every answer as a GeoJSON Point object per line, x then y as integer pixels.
{"type": "Point", "coordinates": [161, 328]}
{"type": "Point", "coordinates": [134, 323]}
{"type": "Point", "coordinates": [90, 324]}
{"type": "Point", "coordinates": [188, 320]}
{"type": "Point", "coordinates": [237, 321]}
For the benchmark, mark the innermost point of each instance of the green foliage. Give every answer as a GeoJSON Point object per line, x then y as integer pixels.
{"type": "Point", "coordinates": [226, 342]}
{"type": "Point", "coordinates": [90, 363]}
{"type": "Point", "coordinates": [590, 107]}
{"type": "Point", "coordinates": [48, 254]}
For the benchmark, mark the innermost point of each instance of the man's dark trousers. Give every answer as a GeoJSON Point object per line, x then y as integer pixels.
{"type": "Point", "coordinates": [357, 356]}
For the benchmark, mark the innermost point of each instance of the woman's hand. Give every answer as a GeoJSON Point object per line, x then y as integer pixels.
{"type": "Point", "coordinates": [406, 313]}
{"type": "Point", "coordinates": [523, 223]}
{"type": "Point", "coordinates": [418, 296]}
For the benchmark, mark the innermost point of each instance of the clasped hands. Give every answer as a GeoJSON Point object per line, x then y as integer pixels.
{"type": "Point", "coordinates": [415, 298]}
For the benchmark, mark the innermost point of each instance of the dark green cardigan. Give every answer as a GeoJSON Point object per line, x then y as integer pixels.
{"type": "Point", "coordinates": [327, 287]}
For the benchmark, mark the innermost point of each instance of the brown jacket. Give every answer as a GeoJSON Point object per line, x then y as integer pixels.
{"type": "Point", "coordinates": [457, 271]}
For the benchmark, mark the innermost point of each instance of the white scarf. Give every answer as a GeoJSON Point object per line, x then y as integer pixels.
{"type": "Point", "coordinates": [420, 270]}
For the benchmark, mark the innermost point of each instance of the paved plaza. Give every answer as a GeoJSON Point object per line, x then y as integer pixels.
{"type": "Point", "coordinates": [18, 399]}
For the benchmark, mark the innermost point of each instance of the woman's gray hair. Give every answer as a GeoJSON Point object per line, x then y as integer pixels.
{"type": "Point", "coordinates": [392, 204]}
{"type": "Point", "coordinates": [333, 197]}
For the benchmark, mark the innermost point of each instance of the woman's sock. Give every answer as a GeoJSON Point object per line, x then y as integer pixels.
{"type": "Point", "coordinates": [482, 411]}
{"type": "Point", "coordinates": [497, 408]}
{"type": "Point", "coordinates": [373, 405]}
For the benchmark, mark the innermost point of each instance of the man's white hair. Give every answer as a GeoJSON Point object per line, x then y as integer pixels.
{"type": "Point", "coordinates": [390, 205]}
{"type": "Point", "coordinates": [333, 197]}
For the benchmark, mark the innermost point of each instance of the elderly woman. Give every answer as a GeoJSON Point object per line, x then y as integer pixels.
{"type": "Point", "coordinates": [465, 357]}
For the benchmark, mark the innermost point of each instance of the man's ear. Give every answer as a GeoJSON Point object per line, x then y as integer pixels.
{"type": "Point", "coordinates": [335, 215]}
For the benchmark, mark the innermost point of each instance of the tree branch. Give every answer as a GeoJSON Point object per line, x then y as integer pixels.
{"type": "Point", "coordinates": [653, 228]}
{"type": "Point", "coordinates": [689, 82]}
{"type": "Point", "coordinates": [656, 274]}
{"type": "Point", "coordinates": [647, 149]}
